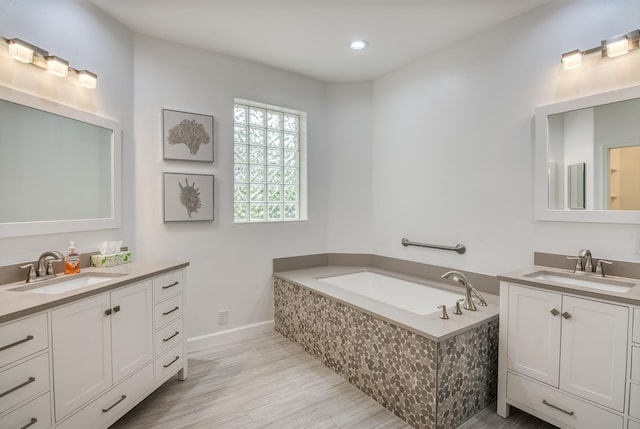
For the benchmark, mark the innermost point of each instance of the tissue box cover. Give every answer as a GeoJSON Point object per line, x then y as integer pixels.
{"type": "Point", "coordinates": [106, 261]}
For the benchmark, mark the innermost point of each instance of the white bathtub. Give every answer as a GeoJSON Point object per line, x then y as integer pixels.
{"type": "Point", "coordinates": [416, 298]}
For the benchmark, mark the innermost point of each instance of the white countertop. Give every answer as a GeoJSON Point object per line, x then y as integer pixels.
{"type": "Point", "coordinates": [15, 304]}
{"type": "Point", "coordinates": [430, 326]}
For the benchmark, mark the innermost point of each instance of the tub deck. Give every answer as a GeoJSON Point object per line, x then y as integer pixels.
{"type": "Point", "coordinates": [428, 325]}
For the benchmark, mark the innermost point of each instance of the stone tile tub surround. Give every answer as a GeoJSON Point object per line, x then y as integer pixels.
{"type": "Point", "coordinates": [432, 373]}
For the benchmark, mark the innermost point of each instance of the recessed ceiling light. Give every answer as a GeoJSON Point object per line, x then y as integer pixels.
{"type": "Point", "coordinates": [358, 45]}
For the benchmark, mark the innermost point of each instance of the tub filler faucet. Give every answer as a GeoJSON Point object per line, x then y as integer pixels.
{"type": "Point", "coordinates": [457, 276]}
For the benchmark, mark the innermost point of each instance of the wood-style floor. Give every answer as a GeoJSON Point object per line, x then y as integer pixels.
{"type": "Point", "coordinates": [269, 382]}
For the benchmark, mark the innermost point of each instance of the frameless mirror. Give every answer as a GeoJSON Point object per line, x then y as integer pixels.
{"type": "Point", "coordinates": [59, 168]}
{"type": "Point", "coordinates": [587, 161]}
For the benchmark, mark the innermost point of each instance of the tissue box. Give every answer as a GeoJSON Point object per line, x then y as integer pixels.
{"type": "Point", "coordinates": [106, 261]}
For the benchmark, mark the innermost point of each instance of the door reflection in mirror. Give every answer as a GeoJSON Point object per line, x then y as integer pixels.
{"type": "Point", "coordinates": [576, 173]}
{"type": "Point", "coordinates": [624, 178]}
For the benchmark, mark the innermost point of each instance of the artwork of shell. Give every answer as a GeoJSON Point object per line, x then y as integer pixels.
{"type": "Point", "coordinates": [187, 136]}
{"type": "Point", "coordinates": [188, 197]}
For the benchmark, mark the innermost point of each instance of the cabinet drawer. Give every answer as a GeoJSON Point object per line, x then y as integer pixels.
{"type": "Point", "coordinates": [33, 415]}
{"type": "Point", "coordinates": [168, 336]}
{"type": "Point", "coordinates": [633, 425]}
{"type": "Point", "coordinates": [169, 363]}
{"type": "Point", "coordinates": [112, 405]}
{"type": "Point", "coordinates": [543, 399]}
{"type": "Point", "coordinates": [23, 338]}
{"type": "Point", "coordinates": [636, 325]}
{"type": "Point", "coordinates": [635, 363]}
{"type": "Point", "coordinates": [167, 285]}
{"type": "Point", "coordinates": [23, 381]}
{"type": "Point", "coordinates": [167, 311]}
{"type": "Point", "coordinates": [634, 400]}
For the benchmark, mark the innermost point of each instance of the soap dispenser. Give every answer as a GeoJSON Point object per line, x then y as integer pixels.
{"type": "Point", "coordinates": [72, 260]}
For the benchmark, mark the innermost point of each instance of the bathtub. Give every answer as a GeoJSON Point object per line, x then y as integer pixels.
{"type": "Point", "coordinates": [416, 298]}
{"type": "Point", "coordinates": [381, 332]}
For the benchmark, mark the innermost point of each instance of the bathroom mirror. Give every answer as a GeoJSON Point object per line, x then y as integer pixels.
{"type": "Point", "coordinates": [601, 133]}
{"type": "Point", "coordinates": [59, 168]}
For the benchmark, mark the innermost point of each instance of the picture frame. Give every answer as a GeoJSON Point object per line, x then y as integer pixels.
{"type": "Point", "coordinates": [188, 197]}
{"type": "Point", "coordinates": [187, 136]}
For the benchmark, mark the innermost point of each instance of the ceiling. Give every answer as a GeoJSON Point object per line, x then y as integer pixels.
{"type": "Point", "coordinates": [311, 37]}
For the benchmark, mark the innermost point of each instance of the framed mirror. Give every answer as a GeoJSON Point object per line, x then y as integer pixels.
{"type": "Point", "coordinates": [587, 159]}
{"type": "Point", "coordinates": [60, 168]}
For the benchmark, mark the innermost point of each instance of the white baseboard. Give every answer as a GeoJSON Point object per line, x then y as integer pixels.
{"type": "Point", "coordinates": [224, 337]}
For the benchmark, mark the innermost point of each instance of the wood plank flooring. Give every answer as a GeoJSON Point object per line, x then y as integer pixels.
{"type": "Point", "coordinates": [269, 382]}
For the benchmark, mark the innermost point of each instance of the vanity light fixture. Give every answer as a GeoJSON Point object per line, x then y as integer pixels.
{"type": "Point", "coordinates": [616, 46]}
{"type": "Point", "coordinates": [610, 48]}
{"type": "Point", "coordinates": [87, 79]}
{"type": "Point", "coordinates": [571, 60]}
{"type": "Point", "coordinates": [57, 66]}
{"type": "Point", "coordinates": [358, 45]}
{"type": "Point", "coordinates": [29, 54]}
{"type": "Point", "coordinates": [22, 51]}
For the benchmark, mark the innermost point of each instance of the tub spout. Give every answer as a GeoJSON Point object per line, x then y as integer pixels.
{"type": "Point", "coordinates": [457, 276]}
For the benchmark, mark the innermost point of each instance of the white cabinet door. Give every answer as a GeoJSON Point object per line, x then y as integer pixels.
{"type": "Point", "coordinates": [131, 328]}
{"type": "Point", "coordinates": [594, 350]}
{"type": "Point", "coordinates": [81, 338]}
{"type": "Point", "coordinates": [534, 333]}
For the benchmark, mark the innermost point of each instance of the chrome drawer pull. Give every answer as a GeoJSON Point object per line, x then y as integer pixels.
{"type": "Point", "coordinates": [172, 362]}
{"type": "Point", "coordinates": [555, 407]}
{"type": "Point", "coordinates": [164, 340]}
{"type": "Point", "coordinates": [13, 389]}
{"type": "Point", "coordinates": [171, 285]}
{"type": "Point", "coordinates": [170, 311]}
{"type": "Point", "coordinates": [122, 398]}
{"type": "Point", "coordinates": [8, 346]}
{"type": "Point", "coordinates": [32, 422]}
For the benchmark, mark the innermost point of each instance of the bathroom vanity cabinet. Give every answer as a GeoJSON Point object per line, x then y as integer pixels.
{"type": "Point", "coordinates": [94, 358]}
{"type": "Point", "coordinates": [567, 358]}
{"type": "Point", "coordinates": [99, 341]}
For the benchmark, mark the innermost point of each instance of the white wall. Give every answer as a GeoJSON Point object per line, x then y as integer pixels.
{"type": "Point", "coordinates": [84, 36]}
{"type": "Point", "coordinates": [350, 134]}
{"type": "Point", "coordinates": [453, 140]}
{"type": "Point", "coordinates": [230, 264]}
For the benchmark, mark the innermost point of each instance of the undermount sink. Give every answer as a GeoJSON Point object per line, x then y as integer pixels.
{"type": "Point", "coordinates": [64, 284]}
{"type": "Point", "coordinates": [582, 280]}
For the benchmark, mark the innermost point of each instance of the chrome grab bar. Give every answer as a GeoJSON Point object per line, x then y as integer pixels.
{"type": "Point", "coordinates": [460, 248]}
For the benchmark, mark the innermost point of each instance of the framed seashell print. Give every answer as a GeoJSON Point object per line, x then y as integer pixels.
{"type": "Point", "coordinates": [187, 136]}
{"type": "Point", "coordinates": [188, 197]}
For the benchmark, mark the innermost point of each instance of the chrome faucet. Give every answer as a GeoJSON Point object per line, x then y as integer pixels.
{"type": "Point", "coordinates": [45, 268]}
{"type": "Point", "coordinates": [584, 262]}
{"type": "Point", "coordinates": [587, 261]}
{"type": "Point", "coordinates": [457, 276]}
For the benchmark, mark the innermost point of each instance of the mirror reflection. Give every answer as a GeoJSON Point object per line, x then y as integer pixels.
{"type": "Point", "coordinates": [52, 167]}
{"type": "Point", "coordinates": [605, 140]}
{"type": "Point", "coordinates": [59, 168]}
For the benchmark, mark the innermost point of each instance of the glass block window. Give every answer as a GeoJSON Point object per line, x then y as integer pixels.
{"type": "Point", "coordinates": [269, 183]}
